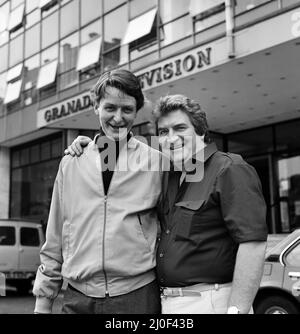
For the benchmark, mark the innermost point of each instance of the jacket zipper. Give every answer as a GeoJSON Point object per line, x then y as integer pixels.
{"type": "Point", "coordinates": [103, 246]}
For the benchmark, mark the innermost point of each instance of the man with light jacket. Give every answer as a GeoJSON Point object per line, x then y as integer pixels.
{"type": "Point", "coordinates": [102, 228]}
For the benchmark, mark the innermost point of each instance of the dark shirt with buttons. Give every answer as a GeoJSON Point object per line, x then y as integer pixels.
{"type": "Point", "coordinates": [203, 222]}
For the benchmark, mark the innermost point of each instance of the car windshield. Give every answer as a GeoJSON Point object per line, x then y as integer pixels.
{"type": "Point", "coordinates": [279, 242]}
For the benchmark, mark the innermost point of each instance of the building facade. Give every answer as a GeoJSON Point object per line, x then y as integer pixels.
{"type": "Point", "coordinates": [238, 58]}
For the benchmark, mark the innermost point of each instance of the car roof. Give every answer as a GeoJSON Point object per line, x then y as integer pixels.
{"type": "Point", "coordinates": [22, 222]}
{"type": "Point", "coordinates": [283, 240]}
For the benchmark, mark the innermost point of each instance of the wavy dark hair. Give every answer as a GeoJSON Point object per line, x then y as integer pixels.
{"type": "Point", "coordinates": [121, 79]}
{"type": "Point", "coordinates": [170, 103]}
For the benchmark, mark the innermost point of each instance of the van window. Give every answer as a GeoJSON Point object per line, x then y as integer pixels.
{"type": "Point", "coordinates": [7, 236]}
{"type": "Point", "coordinates": [29, 236]}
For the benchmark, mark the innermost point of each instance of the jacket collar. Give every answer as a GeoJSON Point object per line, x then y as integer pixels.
{"type": "Point", "coordinates": [132, 143]}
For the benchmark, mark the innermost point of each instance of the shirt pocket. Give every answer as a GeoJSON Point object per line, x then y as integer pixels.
{"type": "Point", "coordinates": [187, 210]}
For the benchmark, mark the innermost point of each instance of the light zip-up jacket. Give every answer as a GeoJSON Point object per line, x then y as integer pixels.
{"type": "Point", "coordinates": [102, 245]}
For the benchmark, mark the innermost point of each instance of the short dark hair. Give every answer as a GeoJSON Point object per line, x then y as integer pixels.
{"type": "Point", "coordinates": [121, 79]}
{"type": "Point", "coordinates": [170, 103]}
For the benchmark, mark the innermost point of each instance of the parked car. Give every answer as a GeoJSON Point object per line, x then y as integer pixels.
{"type": "Point", "coordinates": [279, 291]}
{"type": "Point", "coordinates": [20, 243]}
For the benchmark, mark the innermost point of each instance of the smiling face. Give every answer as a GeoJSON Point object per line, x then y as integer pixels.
{"type": "Point", "coordinates": [177, 136]}
{"type": "Point", "coordinates": [117, 112]}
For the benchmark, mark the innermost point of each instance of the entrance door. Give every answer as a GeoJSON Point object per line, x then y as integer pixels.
{"type": "Point", "coordinates": [263, 167]}
{"type": "Point", "coordinates": [289, 192]}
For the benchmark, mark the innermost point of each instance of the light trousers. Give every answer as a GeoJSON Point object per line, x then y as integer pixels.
{"type": "Point", "coordinates": [209, 302]}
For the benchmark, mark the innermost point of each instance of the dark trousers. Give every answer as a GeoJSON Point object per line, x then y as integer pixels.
{"type": "Point", "coordinates": [145, 300]}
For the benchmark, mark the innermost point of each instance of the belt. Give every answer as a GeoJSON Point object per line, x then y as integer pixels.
{"type": "Point", "coordinates": [192, 290]}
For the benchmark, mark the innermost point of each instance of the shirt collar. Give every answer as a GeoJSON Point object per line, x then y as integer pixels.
{"type": "Point", "coordinates": [209, 150]}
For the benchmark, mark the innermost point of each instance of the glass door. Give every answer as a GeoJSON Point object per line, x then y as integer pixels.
{"type": "Point", "coordinates": [289, 192]}
{"type": "Point", "coordinates": [263, 167]}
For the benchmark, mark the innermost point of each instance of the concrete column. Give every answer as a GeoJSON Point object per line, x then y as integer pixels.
{"type": "Point", "coordinates": [4, 181]}
{"type": "Point", "coordinates": [71, 135]}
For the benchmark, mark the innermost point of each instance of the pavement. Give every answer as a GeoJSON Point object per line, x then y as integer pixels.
{"type": "Point", "coordinates": [14, 303]}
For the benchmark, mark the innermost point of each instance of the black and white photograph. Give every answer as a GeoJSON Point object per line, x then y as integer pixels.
{"type": "Point", "coordinates": [149, 160]}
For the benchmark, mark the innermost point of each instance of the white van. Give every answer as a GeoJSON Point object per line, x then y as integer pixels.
{"type": "Point", "coordinates": [20, 244]}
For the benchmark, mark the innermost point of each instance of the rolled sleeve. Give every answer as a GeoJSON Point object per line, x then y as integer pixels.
{"type": "Point", "coordinates": [242, 203]}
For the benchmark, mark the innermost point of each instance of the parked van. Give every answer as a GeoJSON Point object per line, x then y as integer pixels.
{"type": "Point", "coordinates": [20, 244]}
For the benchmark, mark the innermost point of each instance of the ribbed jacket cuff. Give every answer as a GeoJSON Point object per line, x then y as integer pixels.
{"type": "Point", "coordinates": [43, 305]}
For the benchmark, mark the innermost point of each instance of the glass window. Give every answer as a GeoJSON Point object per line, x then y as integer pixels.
{"type": "Point", "coordinates": [7, 236]}
{"type": "Point", "coordinates": [4, 37]}
{"type": "Point", "coordinates": [251, 142]}
{"type": "Point", "coordinates": [293, 257]}
{"type": "Point", "coordinates": [49, 54]}
{"type": "Point", "coordinates": [289, 192]}
{"type": "Point", "coordinates": [33, 18]}
{"type": "Point", "coordinates": [34, 153]}
{"type": "Point", "coordinates": [15, 3]}
{"type": "Point", "coordinates": [15, 159]}
{"type": "Point", "coordinates": [50, 30]}
{"type": "Point", "coordinates": [89, 54]}
{"type": "Point", "coordinates": [4, 14]}
{"type": "Point", "coordinates": [114, 33]}
{"type": "Point", "coordinates": [110, 4]}
{"type": "Point", "coordinates": [169, 12]}
{"type": "Point", "coordinates": [139, 27]}
{"type": "Point", "coordinates": [56, 148]}
{"type": "Point", "coordinates": [3, 57]}
{"type": "Point", "coordinates": [90, 10]}
{"type": "Point", "coordinates": [31, 70]}
{"type": "Point", "coordinates": [16, 18]}
{"type": "Point", "coordinates": [14, 72]}
{"type": "Point", "coordinates": [245, 5]}
{"type": "Point", "coordinates": [24, 156]}
{"type": "Point", "coordinates": [176, 30]}
{"type": "Point", "coordinates": [68, 52]}
{"type": "Point", "coordinates": [32, 41]}
{"type": "Point", "coordinates": [2, 86]}
{"type": "Point", "coordinates": [46, 150]}
{"type": "Point", "coordinates": [138, 7]}
{"type": "Point", "coordinates": [113, 58]}
{"type": "Point", "coordinates": [287, 136]}
{"type": "Point", "coordinates": [31, 190]}
{"type": "Point", "coordinates": [91, 32]}
{"type": "Point", "coordinates": [47, 74]}
{"type": "Point", "coordinates": [31, 4]}
{"type": "Point", "coordinates": [16, 50]}
{"type": "Point", "coordinates": [69, 19]}
{"type": "Point", "coordinates": [13, 91]}
{"type": "Point", "coordinates": [68, 61]}
{"type": "Point", "coordinates": [204, 7]}
{"type": "Point", "coordinates": [29, 237]}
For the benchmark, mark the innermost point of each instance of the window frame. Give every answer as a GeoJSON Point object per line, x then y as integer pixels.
{"type": "Point", "coordinates": [22, 228]}
{"type": "Point", "coordinates": [14, 236]}
{"type": "Point", "coordinates": [16, 18]}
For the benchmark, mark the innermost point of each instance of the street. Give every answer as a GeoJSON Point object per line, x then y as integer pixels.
{"type": "Point", "coordinates": [13, 303]}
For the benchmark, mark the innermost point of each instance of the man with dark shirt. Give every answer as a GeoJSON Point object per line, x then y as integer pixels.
{"type": "Point", "coordinates": [212, 245]}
